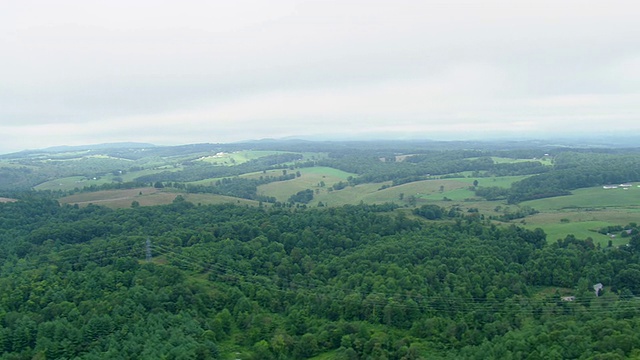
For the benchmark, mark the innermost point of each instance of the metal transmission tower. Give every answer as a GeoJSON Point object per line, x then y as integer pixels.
{"type": "Point", "coordinates": [148, 248]}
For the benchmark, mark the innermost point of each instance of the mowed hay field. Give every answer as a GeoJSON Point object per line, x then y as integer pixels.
{"type": "Point", "coordinates": [147, 197]}
{"type": "Point", "coordinates": [428, 190]}
{"type": "Point", "coordinates": [349, 195]}
{"type": "Point", "coordinates": [455, 189]}
{"type": "Point", "coordinates": [121, 198]}
{"type": "Point", "coordinates": [211, 199]}
{"type": "Point", "coordinates": [70, 183]}
{"type": "Point", "coordinates": [586, 210]}
{"type": "Point", "coordinates": [591, 198]}
{"type": "Point", "coordinates": [501, 160]}
{"type": "Point", "coordinates": [582, 224]}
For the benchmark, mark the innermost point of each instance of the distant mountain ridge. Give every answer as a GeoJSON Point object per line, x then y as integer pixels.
{"type": "Point", "coordinates": [116, 145]}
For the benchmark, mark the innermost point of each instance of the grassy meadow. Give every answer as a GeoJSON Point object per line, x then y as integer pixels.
{"type": "Point", "coordinates": [591, 198]}
{"type": "Point", "coordinates": [147, 196]}
{"type": "Point", "coordinates": [502, 160]}
{"type": "Point", "coordinates": [121, 198]}
{"type": "Point", "coordinates": [310, 178]}
{"type": "Point", "coordinates": [555, 229]}
{"type": "Point", "coordinates": [586, 210]}
{"type": "Point", "coordinates": [72, 182]}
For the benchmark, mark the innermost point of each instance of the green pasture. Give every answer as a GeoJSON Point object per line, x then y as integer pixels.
{"type": "Point", "coordinates": [72, 182]}
{"type": "Point", "coordinates": [206, 182]}
{"type": "Point", "coordinates": [499, 181]}
{"type": "Point", "coordinates": [586, 210]}
{"type": "Point", "coordinates": [258, 174]}
{"type": "Point", "coordinates": [502, 160]}
{"type": "Point", "coordinates": [157, 162]}
{"type": "Point", "coordinates": [582, 223]}
{"type": "Point", "coordinates": [591, 198]}
{"type": "Point", "coordinates": [431, 190]}
{"type": "Point", "coordinates": [132, 175]}
{"type": "Point", "coordinates": [443, 192]}
{"type": "Point", "coordinates": [310, 178]}
{"type": "Point", "coordinates": [581, 230]}
{"type": "Point", "coordinates": [350, 195]}
{"type": "Point", "coordinates": [426, 191]}
{"type": "Point", "coordinates": [457, 189]}
{"type": "Point", "coordinates": [323, 171]}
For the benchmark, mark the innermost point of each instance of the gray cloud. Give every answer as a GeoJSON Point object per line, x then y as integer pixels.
{"type": "Point", "coordinates": [78, 72]}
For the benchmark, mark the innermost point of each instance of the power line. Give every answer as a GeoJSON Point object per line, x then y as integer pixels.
{"type": "Point", "coordinates": [440, 303]}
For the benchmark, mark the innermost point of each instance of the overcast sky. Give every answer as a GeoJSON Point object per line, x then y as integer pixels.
{"type": "Point", "coordinates": [177, 72]}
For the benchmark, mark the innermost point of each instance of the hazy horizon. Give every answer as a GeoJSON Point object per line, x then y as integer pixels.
{"type": "Point", "coordinates": [76, 73]}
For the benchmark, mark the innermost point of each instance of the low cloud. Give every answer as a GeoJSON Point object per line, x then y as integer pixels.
{"type": "Point", "coordinates": [74, 72]}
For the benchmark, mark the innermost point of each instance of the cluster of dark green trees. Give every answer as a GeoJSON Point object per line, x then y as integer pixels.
{"type": "Point", "coordinates": [358, 281]}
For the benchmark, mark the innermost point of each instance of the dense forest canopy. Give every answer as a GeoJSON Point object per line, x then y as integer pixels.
{"type": "Point", "coordinates": [356, 281]}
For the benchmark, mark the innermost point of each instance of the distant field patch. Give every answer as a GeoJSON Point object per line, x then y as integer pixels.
{"type": "Point", "coordinates": [500, 181]}
{"type": "Point", "coordinates": [434, 189]}
{"type": "Point", "coordinates": [323, 171]}
{"type": "Point", "coordinates": [6, 200]}
{"type": "Point", "coordinates": [72, 182]}
{"type": "Point", "coordinates": [594, 197]}
{"type": "Point", "coordinates": [351, 195]}
{"type": "Point", "coordinates": [502, 160]}
{"type": "Point", "coordinates": [237, 157]}
{"type": "Point", "coordinates": [208, 199]}
{"type": "Point", "coordinates": [131, 176]}
{"type": "Point", "coordinates": [107, 157]}
{"type": "Point", "coordinates": [580, 230]}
